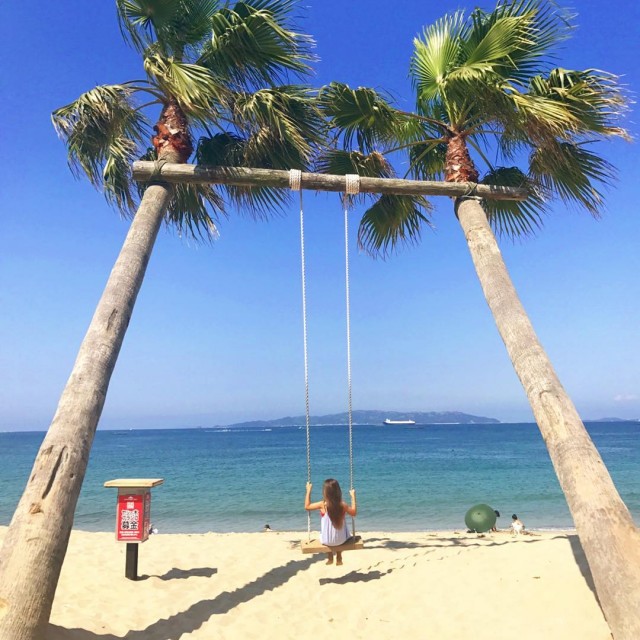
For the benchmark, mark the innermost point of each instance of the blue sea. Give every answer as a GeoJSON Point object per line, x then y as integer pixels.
{"type": "Point", "coordinates": [408, 478]}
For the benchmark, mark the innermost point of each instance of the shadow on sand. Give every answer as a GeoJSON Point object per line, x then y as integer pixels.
{"type": "Point", "coordinates": [436, 541]}
{"type": "Point", "coordinates": [355, 576]}
{"type": "Point", "coordinates": [197, 614]}
{"type": "Point", "coordinates": [583, 565]}
{"type": "Point", "coordinates": [183, 574]}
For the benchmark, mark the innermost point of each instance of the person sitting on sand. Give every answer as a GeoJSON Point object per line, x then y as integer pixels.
{"type": "Point", "coordinates": [333, 511]}
{"type": "Point", "coordinates": [517, 526]}
{"type": "Point", "coordinates": [267, 528]}
{"type": "Point", "coordinates": [495, 526]}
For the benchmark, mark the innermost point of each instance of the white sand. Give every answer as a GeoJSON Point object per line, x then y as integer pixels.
{"type": "Point", "coordinates": [236, 586]}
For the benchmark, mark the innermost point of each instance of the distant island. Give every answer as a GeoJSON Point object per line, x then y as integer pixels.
{"type": "Point", "coordinates": [373, 417]}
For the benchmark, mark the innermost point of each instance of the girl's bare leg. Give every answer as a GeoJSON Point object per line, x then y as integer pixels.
{"type": "Point", "coordinates": [330, 558]}
{"type": "Point", "coordinates": [338, 557]}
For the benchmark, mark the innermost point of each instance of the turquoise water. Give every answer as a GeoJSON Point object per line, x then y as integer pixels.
{"type": "Point", "coordinates": [407, 478]}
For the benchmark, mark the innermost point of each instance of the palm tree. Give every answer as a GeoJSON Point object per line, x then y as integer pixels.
{"type": "Point", "coordinates": [217, 71]}
{"type": "Point", "coordinates": [485, 88]}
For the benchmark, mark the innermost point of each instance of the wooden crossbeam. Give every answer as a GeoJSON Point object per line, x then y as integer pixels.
{"type": "Point", "coordinates": [315, 546]}
{"type": "Point", "coordinates": [145, 171]}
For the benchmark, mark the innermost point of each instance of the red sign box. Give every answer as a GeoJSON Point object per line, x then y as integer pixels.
{"type": "Point", "coordinates": [133, 516]}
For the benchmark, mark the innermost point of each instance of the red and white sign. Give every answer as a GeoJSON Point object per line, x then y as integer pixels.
{"type": "Point", "coordinates": [133, 516]}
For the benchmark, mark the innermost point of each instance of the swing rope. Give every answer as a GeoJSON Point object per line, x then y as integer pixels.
{"type": "Point", "coordinates": [352, 188]}
{"type": "Point", "coordinates": [295, 184]}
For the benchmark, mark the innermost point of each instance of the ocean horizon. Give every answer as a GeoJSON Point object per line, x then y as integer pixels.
{"type": "Point", "coordinates": [407, 478]}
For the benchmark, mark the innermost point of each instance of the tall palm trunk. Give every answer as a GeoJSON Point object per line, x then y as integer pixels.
{"type": "Point", "coordinates": [610, 539]}
{"type": "Point", "coordinates": [37, 539]}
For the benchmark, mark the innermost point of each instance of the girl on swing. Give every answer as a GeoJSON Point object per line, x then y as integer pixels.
{"type": "Point", "coordinates": [333, 512]}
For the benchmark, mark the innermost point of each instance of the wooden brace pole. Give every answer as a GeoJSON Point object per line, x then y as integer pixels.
{"type": "Point", "coordinates": [144, 171]}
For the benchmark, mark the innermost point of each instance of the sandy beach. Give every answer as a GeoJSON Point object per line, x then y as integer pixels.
{"type": "Point", "coordinates": [259, 585]}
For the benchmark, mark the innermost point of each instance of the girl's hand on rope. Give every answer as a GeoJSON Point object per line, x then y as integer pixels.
{"type": "Point", "coordinates": [309, 485]}
{"type": "Point", "coordinates": [352, 509]}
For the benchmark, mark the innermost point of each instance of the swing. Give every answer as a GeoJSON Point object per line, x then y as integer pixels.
{"type": "Point", "coordinates": [352, 187]}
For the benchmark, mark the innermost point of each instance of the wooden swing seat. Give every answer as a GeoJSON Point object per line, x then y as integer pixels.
{"type": "Point", "coordinates": [354, 543]}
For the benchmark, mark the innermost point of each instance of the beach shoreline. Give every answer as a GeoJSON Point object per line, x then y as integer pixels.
{"type": "Point", "coordinates": [230, 586]}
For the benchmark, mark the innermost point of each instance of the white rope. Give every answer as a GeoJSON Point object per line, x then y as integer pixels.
{"type": "Point", "coordinates": [352, 184]}
{"type": "Point", "coordinates": [295, 180]}
{"type": "Point", "coordinates": [352, 187]}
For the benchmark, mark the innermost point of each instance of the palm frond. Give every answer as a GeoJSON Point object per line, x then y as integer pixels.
{"type": "Point", "coordinates": [550, 26]}
{"type": "Point", "coordinates": [436, 54]}
{"type": "Point", "coordinates": [137, 19]}
{"type": "Point", "coordinates": [593, 99]}
{"type": "Point", "coordinates": [277, 128]}
{"type": "Point", "coordinates": [176, 25]}
{"type": "Point", "coordinates": [494, 52]}
{"type": "Point", "coordinates": [427, 160]}
{"type": "Point", "coordinates": [571, 171]}
{"type": "Point", "coordinates": [361, 114]}
{"type": "Point", "coordinates": [373, 165]}
{"type": "Point", "coordinates": [495, 37]}
{"type": "Point", "coordinates": [416, 128]}
{"type": "Point", "coordinates": [194, 210]}
{"type": "Point", "coordinates": [447, 83]}
{"type": "Point", "coordinates": [223, 149]}
{"type": "Point", "coordinates": [487, 81]}
{"type": "Point", "coordinates": [103, 132]}
{"type": "Point", "coordinates": [538, 117]}
{"type": "Point", "coordinates": [281, 10]}
{"type": "Point", "coordinates": [392, 221]}
{"type": "Point", "coordinates": [514, 218]}
{"type": "Point", "coordinates": [570, 106]}
{"type": "Point", "coordinates": [341, 163]}
{"type": "Point", "coordinates": [193, 86]}
{"type": "Point", "coordinates": [209, 61]}
{"type": "Point", "coordinates": [230, 150]}
{"type": "Point", "coordinates": [252, 44]}
{"type": "Point", "coordinates": [284, 125]}
{"type": "Point", "coordinates": [460, 65]}
{"type": "Point", "coordinates": [517, 38]}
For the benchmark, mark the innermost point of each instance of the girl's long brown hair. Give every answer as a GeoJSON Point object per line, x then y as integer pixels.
{"type": "Point", "coordinates": [332, 494]}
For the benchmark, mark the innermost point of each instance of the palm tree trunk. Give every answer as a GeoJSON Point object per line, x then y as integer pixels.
{"type": "Point", "coordinates": [607, 533]}
{"type": "Point", "coordinates": [458, 165]}
{"type": "Point", "coordinates": [37, 539]}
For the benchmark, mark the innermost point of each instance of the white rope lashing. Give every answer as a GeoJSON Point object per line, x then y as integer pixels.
{"type": "Point", "coordinates": [295, 184]}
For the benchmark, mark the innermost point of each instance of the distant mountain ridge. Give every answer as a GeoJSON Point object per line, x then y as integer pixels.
{"type": "Point", "coordinates": [374, 417]}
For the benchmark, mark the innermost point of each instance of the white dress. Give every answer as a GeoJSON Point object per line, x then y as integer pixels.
{"type": "Point", "coordinates": [329, 535]}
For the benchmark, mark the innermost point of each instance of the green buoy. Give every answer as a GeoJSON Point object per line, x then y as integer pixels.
{"type": "Point", "coordinates": [480, 518]}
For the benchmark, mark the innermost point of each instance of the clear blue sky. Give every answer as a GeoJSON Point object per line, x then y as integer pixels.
{"type": "Point", "coordinates": [216, 335]}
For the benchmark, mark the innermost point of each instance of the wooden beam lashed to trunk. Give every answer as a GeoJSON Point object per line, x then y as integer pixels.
{"type": "Point", "coordinates": [144, 171]}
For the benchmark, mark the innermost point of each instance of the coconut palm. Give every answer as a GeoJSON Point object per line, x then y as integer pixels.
{"type": "Point", "coordinates": [217, 71]}
{"type": "Point", "coordinates": [485, 88]}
